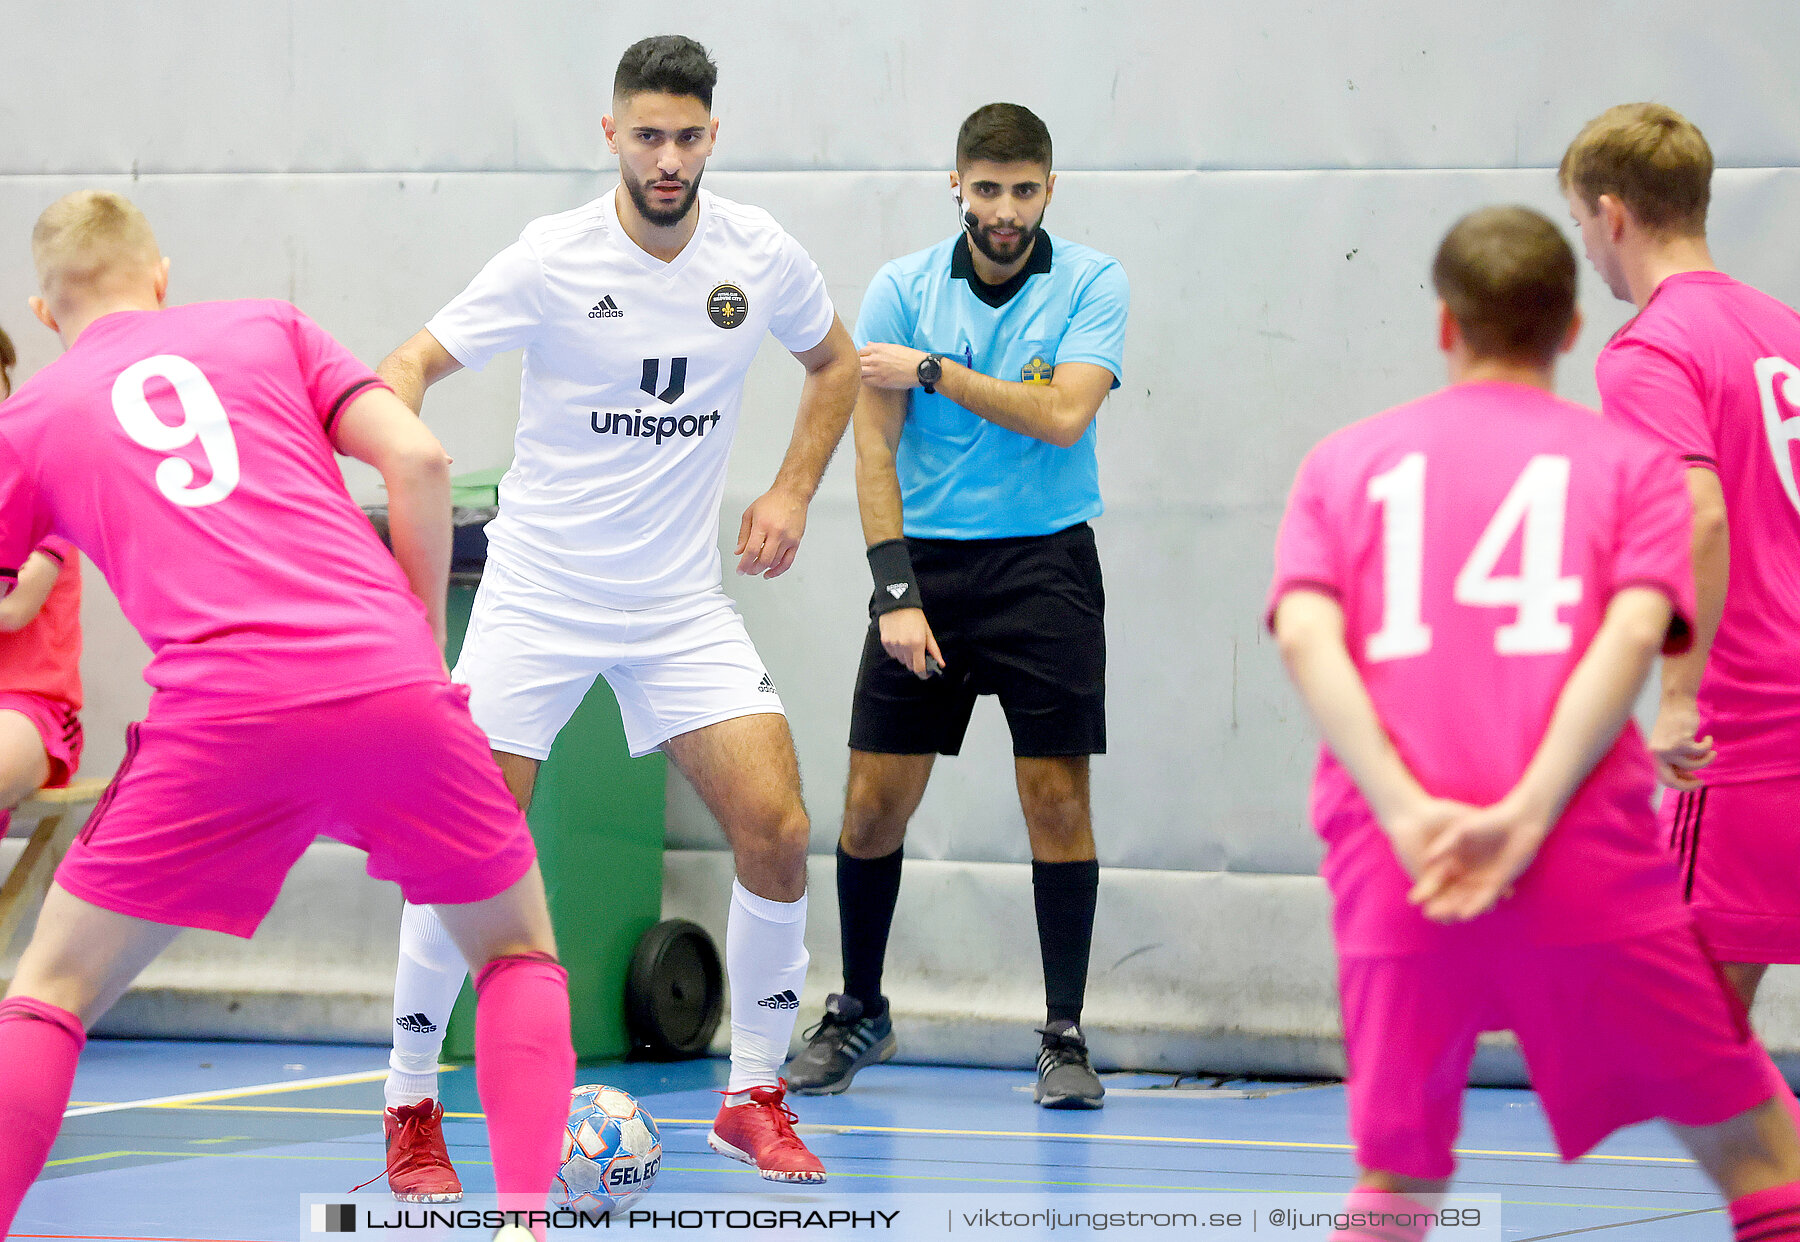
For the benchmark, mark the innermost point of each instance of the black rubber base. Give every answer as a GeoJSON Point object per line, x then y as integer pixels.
{"type": "Point", "coordinates": [675, 992]}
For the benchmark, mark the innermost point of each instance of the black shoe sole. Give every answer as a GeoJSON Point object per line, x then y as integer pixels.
{"type": "Point", "coordinates": [1072, 1101]}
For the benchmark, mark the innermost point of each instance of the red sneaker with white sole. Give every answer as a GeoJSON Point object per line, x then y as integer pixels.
{"type": "Point", "coordinates": [419, 1168]}
{"type": "Point", "coordinates": [762, 1133]}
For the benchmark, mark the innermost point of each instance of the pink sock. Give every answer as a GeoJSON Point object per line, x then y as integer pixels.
{"type": "Point", "coordinates": [39, 1045]}
{"type": "Point", "coordinates": [524, 1070]}
{"type": "Point", "coordinates": [1767, 1215]}
{"type": "Point", "coordinates": [1396, 1218]}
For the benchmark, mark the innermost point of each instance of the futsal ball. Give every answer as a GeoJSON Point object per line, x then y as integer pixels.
{"type": "Point", "coordinates": [611, 1150]}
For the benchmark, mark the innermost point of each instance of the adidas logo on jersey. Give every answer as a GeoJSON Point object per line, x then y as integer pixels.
{"type": "Point", "coordinates": [896, 589]}
{"type": "Point", "coordinates": [781, 1000]}
{"type": "Point", "coordinates": [417, 1023]}
{"type": "Point", "coordinates": [766, 685]}
{"type": "Point", "coordinates": [606, 308]}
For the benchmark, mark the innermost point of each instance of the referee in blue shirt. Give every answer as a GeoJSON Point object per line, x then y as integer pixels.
{"type": "Point", "coordinates": [985, 359]}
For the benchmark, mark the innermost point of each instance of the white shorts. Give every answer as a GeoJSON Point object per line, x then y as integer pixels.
{"type": "Point", "coordinates": [531, 654]}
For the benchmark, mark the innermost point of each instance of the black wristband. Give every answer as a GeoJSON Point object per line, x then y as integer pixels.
{"type": "Point", "coordinates": [890, 561]}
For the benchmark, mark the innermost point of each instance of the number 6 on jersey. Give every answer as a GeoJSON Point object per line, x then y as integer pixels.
{"type": "Point", "coordinates": [203, 419]}
{"type": "Point", "coordinates": [1537, 503]}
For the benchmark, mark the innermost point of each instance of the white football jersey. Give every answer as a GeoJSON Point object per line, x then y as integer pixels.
{"type": "Point", "coordinates": [634, 373]}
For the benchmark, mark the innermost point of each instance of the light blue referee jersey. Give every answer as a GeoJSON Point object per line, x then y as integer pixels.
{"type": "Point", "coordinates": [962, 477]}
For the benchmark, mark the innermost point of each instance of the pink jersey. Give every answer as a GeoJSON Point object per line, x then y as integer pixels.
{"type": "Point", "coordinates": [1474, 539]}
{"type": "Point", "coordinates": [187, 451]}
{"type": "Point", "coordinates": [1711, 367]}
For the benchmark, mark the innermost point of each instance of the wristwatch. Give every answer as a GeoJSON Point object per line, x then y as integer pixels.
{"type": "Point", "coordinates": [931, 370]}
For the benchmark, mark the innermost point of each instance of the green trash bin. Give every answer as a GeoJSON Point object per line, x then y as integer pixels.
{"type": "Point", "coordinates": [597, 817]}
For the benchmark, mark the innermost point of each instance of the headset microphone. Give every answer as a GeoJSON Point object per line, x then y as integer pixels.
{"type": "Point", "coordinates": [970, 221]}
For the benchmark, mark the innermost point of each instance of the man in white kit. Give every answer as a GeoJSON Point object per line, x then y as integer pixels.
{"type": "Point", "coordinates": [639, 314]}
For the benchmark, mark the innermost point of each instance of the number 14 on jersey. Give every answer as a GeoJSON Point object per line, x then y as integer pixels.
{"type": "Point", "coordinates": [1537, 505]}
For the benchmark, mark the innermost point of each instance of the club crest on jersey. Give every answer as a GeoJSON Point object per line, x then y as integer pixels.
{"type": "Point", "coordinates": [1037, 371]}
{"type": "Point", "coordinates": [727, 306]}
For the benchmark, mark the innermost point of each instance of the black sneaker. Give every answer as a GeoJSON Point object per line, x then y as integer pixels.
{"type": "Point", "coordinates": [843, 1042]}
{"type": "Point", "coordinates": [1065, 1079]}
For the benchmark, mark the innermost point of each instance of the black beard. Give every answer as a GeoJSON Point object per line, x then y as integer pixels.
{"type": "Point", "coordinates": [664, 218]}
{"type": "Point", "coordinates": [983, 242]}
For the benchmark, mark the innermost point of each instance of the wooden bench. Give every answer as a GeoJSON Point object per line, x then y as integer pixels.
{"type": "Point", "coordinates": [50, 818]}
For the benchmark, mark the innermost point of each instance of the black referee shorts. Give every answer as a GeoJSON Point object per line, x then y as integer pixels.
{"type": "Point", "coordinates": [1023, 619]}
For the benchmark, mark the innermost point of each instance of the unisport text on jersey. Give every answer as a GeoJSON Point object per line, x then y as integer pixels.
{"type": "Point", "coordinates": [657, 427]}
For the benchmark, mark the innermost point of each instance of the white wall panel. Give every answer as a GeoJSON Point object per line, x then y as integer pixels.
{"type": "Point", "coordinates": [321, 966]}
{"type": "Point", "coordinates": [215, 86]}
{"type": "Point", "coordinates": [370, 257]}
{"type": "Point", "coordinates": [324, 85]}
{"type": "Point", "coordinates": [1273, 177]}
{"type": "Point", "coordinates": [1269, 308]}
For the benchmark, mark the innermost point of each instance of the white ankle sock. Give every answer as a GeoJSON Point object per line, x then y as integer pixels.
{"type": "Point", "coordinates": [765, 958]}
{"type": "Point", "coordinates": [426, 983]}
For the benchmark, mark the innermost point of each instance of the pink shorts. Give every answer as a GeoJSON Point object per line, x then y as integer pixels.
{"type": "Point", "coordinates": [1739, 849]}
{"type": "Point", "coordinates": [205, 817]}
{"type": "Point", "coordinates": [1613, 1034]}
{"type": "Point", "coordinates": [59, 726]}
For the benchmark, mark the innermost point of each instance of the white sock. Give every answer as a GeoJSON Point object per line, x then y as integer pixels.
{"type": "Point", "coordinates": [765, 959]}
{"type": "Point", "coordinates": [426, 983]}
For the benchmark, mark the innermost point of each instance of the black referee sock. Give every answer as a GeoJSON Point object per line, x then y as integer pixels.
{"type": "Point", "coordinates": [1064, 894]}
{"type": "Point", "coordinates": [867, 890]}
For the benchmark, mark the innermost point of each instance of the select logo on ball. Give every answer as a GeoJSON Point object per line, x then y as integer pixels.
{"type": "Point", "coordinates": [611, 1150]}
{"type": "Point", "coordinates": [727, 306]}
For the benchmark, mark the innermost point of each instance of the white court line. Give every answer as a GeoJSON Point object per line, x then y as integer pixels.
{"type": "Point", "coordinates": [197, 1097]}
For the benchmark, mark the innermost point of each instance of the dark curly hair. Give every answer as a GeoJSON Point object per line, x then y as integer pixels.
{"type": "Point", "coordinates": [673, 64]}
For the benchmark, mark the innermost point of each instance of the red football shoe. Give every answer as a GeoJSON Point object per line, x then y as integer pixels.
{"type": "Point", "coordinates": [762, 1133]}
{"type": "Point", "coordinates": [418, 1164]}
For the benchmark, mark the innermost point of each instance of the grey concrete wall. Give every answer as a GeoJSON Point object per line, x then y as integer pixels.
{"type": "Point", "coordinates": [1274, 178]}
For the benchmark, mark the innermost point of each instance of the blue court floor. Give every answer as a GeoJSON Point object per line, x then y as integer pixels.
{"type": "Point", "coordinates": [175, 1140]}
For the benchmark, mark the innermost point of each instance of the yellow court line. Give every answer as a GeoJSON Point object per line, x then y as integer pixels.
{"type": "Point", "coordinates": [295, 1108]}
{"type": "Point", "coordinates": [289, 1108]}
{"type": "Point", "coordinates": [1617, 1207]}
{"type": "Point", "coordinates": [816, 1128]}
{"type": "Point", "coordinates": [812, 1128]}
{"type": "Point", "coordinates": [99, 1155]}
{"type": "Point", "coordinates": [907, 1176]}
{"type": "Point", "coordinates": [232, 1093]}
{"type": "Point", "coordinates": [218, 1155]}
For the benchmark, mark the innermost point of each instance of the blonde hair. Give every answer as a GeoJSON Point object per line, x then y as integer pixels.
{"type": "Point", "coordinates": [90, 240]}
{"type": "Point", "coordinates": [1650, 158]}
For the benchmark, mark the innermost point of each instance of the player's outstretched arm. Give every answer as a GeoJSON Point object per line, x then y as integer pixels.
{"type": "Point", "coordinates": [880, 414]}
{"type": "Point", "coordinates": [1309, 627]}
{"type": "Point", "coordinates": [1474, 863]}
{"type": "Point", "coordinates": [37, 576]}
{"type": "Point", "coordinates": [1673, 739]}
{"type": "Point", "coordinates": [416, 366]}
{"type": "Point", "coordinates": [1057, 413]}
{"type": "Point", "coordinates": [769, 535]}
{"type": "Point", "coordinates": [376, 428]}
